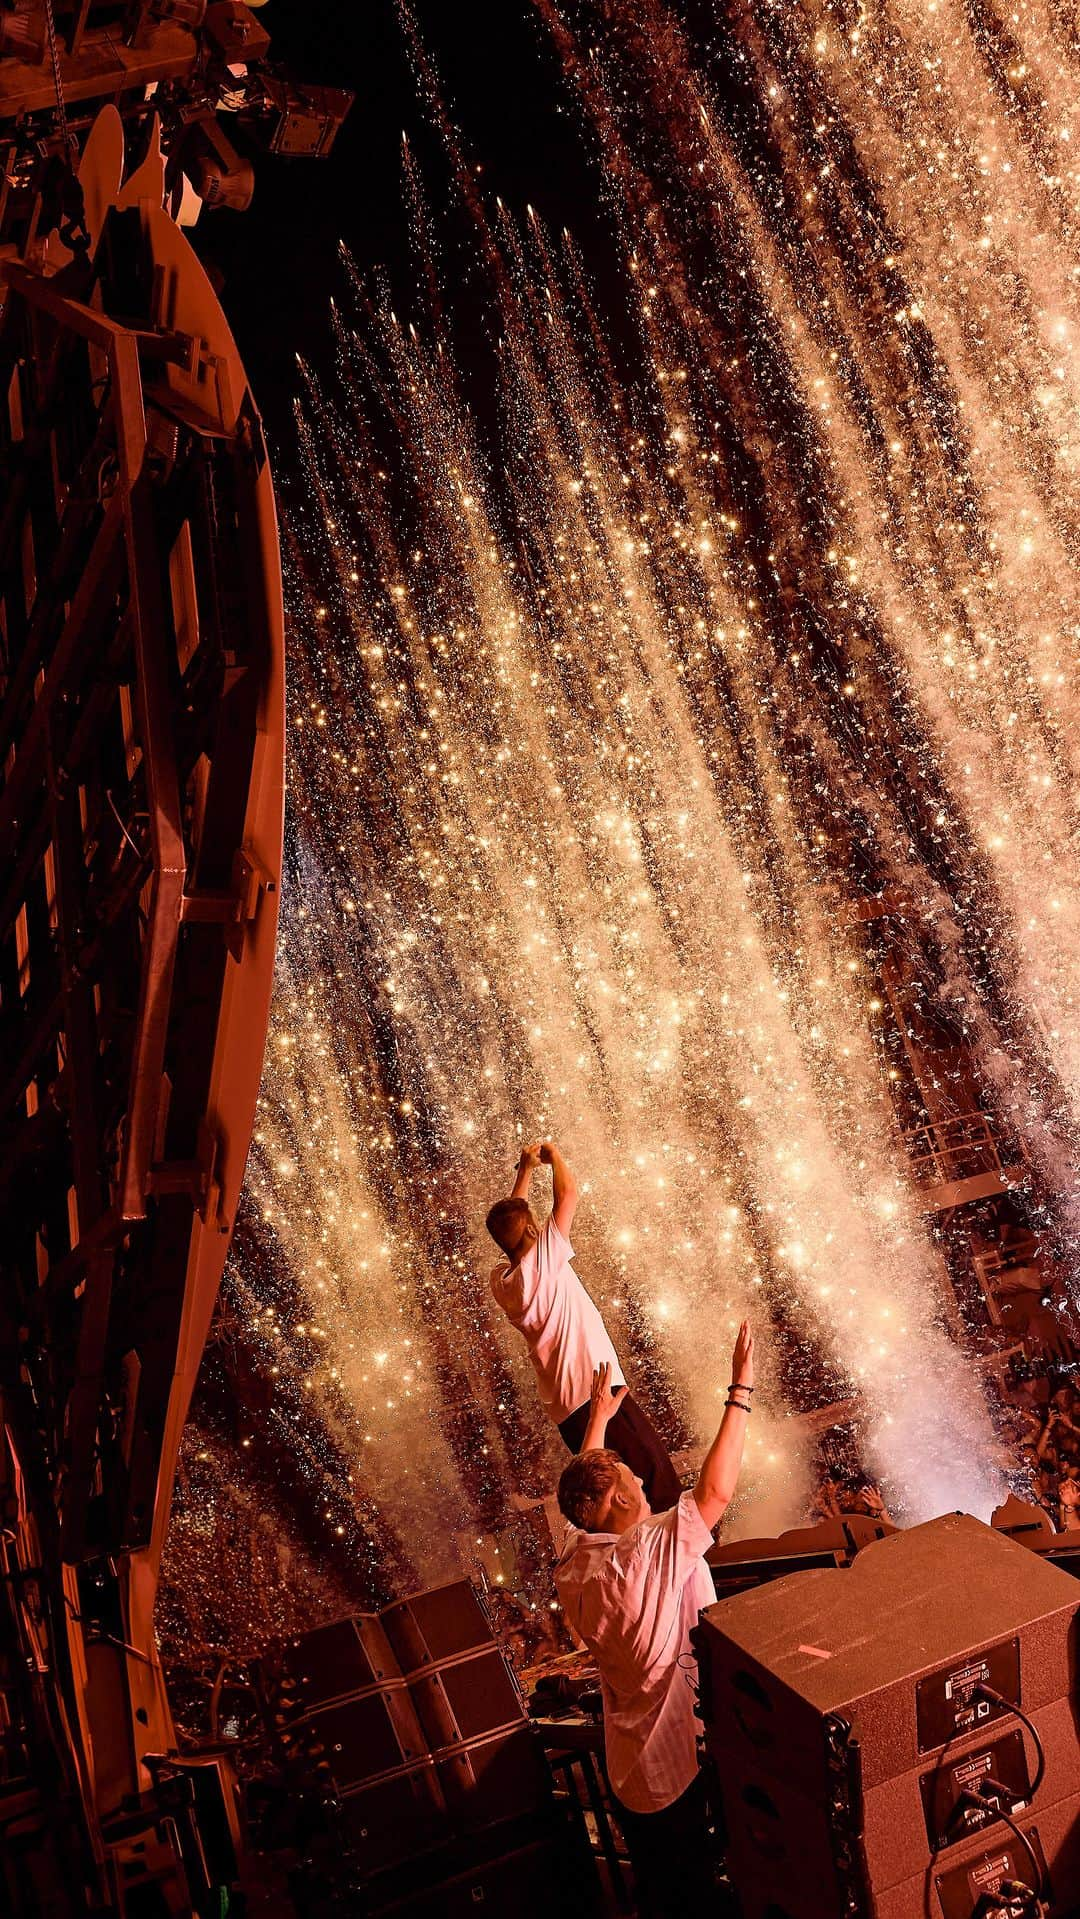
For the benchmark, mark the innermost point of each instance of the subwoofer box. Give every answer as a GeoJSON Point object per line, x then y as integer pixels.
{"type": "Point", "coordinates": [889, 1653]}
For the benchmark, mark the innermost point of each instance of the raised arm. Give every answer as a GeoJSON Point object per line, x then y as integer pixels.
{"type": "Point", "coordinates": [720, 1467]}
{"type": "Point", "coordinates": [564, 1187]}
{"type": "Point", "coordinates": [526, 1167]}
{"type": "Point", "coordinates": [603, 1405]}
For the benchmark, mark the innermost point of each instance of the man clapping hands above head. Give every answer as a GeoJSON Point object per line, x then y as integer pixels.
{"type": "Point", "coordinates": [542, 1296]}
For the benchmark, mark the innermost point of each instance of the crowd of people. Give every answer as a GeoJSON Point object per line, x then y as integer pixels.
{"type": "Point", "coordinates": [839, 1493]}
{"type": "Point", "coordinates": [1041, 1423]}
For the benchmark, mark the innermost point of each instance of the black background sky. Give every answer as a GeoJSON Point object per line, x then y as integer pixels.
{"type": "Point", "coordinates": [504, 89]}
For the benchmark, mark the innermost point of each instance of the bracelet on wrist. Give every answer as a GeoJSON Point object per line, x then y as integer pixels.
{"type": "Point", "coordinates": [739, 1405]}
{"type": "Point", "coordinates": [738, 1387]}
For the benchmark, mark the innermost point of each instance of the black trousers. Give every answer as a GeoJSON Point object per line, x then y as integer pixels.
{"type": "Point", "coordinates": [633, 1436]}
{"type": "Point", "coordinates": [671, 1856]}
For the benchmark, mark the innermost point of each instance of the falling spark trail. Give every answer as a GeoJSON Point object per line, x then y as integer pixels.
{"type": "Point", "coordinates": [606, 751]}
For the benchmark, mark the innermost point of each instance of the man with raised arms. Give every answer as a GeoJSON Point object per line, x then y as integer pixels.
{"type": "Point", "coordinates": [632, 1584]}
{"type": "Point", "coordinates": [542, 1296]}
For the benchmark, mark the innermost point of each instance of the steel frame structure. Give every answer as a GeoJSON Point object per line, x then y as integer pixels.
{"type": "Point", "coordinates": [142, 747]}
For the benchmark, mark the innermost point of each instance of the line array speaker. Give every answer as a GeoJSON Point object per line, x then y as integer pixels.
{"type": "Point", "coordinates": [865, 1728]}
{"type": "Point", "coordinates": [359, 1738]}
{"type": "Point", "coordinates": [441, 1623]}
{"type": "Point", "coordinates": [416, 1722]}
{"type": "Point", "coordinates": [398, 1816]}
{"type": "Point", "coordinates": [497, 1776]}
{"type": "Point", "coordinates": [465, 1697]}
{"type": "Point", "coordinates": [530, 1868]}
{"type": "Point", "coordinates": [334, 1661]}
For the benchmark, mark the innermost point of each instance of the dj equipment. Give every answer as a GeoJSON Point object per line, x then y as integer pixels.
{"type": "Point", "coordinates": [872, 1728]}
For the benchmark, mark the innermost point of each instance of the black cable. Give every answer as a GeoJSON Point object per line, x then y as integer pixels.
{"type": "Point", "coordinates": [928, 1880]}
{"type": "Point", "coordinates": [1004, 1900]}
{"type": "Point", "coordinates": [1039, 1890]}
{"type": "Point", "coordinates": [998, 1699]}
{"type": "Point", "coordinates": [1007, 1705]}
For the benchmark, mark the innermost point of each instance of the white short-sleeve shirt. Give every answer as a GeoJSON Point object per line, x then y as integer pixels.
{"type": "Point", "coordinates": [544, 1298]}
{"type": "Point", "coordinates": [634, 1598]}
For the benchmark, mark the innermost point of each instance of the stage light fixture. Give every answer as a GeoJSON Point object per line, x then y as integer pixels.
{"type": "Point", "coordinates": [218, 174]}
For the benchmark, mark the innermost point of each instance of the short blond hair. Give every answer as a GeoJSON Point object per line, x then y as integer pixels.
{"type": "Point", "coordinates": [585, 1484]}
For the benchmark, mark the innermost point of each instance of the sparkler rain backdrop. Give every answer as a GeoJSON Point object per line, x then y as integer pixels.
{"type": "Point", "coordinates": [604, 725]}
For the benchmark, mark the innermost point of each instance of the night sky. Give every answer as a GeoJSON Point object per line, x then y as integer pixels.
{"type": "Point", "coordinates": [502, 85]}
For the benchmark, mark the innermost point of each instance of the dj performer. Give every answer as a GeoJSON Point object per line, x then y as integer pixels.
{"type": "Point", "coordinates": [632, 1584]}
{"type": "Point", "coordinates": [568, 1343]}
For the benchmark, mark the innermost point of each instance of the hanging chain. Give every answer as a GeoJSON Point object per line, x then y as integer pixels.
{"type": "Point", "coordinates": [54, 52]}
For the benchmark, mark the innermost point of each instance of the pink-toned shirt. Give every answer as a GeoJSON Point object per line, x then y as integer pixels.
{"type": "Point", "coordinates": [634, 1597]}
{"type": "Point", "coordinates": [544, 1298]}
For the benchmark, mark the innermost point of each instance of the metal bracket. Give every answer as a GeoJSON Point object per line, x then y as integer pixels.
{"type": "Point", "coordinates": [235, 908]}
{"type": "Point", "coordinates": [843, 1757]}
{"type": "Point", "coordinates": [192, 1176]}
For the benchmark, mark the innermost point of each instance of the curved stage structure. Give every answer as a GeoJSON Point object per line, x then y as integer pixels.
{"type": "Point", "coordinates": [141, 818]}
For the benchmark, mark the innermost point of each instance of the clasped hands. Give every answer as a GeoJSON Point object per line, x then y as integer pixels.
{"type": "Point", "coordinates": [538, 1154]}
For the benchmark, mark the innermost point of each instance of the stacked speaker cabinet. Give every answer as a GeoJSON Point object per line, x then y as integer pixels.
{"type": "Point", "coordinates": [871, 1729]}
{"type": "Point", "coordinates": [350, 1720]}
{"type": "Point", "coordinates": [487, 1757]}
{"type": "Point", "coordinates": [541, 1878]}
{"type": "Point", "coordinates": [414, 1721]}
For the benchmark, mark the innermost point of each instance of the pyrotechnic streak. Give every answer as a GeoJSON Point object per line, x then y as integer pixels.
{"type": "Point", "coordinates": [600, 748]}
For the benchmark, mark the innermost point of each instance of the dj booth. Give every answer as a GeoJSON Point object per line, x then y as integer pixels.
{"type": "Point", "coordinates": [890, 1729]}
